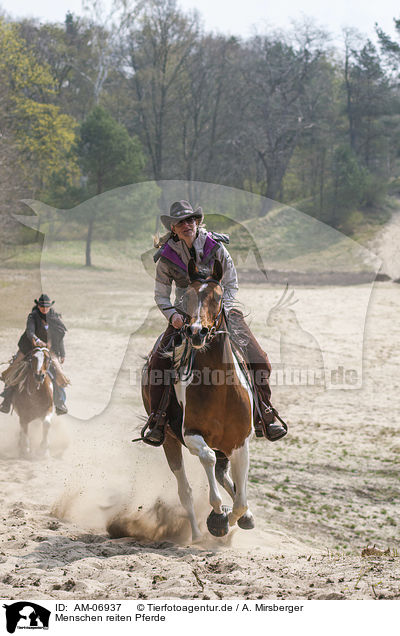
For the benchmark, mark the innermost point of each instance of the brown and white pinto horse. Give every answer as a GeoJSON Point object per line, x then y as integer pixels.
{"type": "Point", "coordinates": [35, 399]}
{"type": "Point", "coordinates": [215, 406]}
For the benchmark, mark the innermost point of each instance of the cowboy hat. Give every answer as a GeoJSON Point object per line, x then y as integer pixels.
{"type": "Point", "coordinates": [44, 301]}
{"type": "Point", "coordinates": [179, 211]}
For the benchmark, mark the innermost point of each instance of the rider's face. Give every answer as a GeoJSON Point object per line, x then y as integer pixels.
{"type": "Point", "coordinates": [44, 310]}
{"type": "Point", "coordinates": [186, 230]}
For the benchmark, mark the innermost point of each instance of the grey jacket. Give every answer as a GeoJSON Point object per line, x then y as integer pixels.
{"type": "Point", "coordinates": [167, 273]}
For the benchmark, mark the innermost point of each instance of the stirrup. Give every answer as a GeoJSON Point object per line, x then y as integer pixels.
{"type": "Point", "coordinates": [160, 424]}
{"type": "Point", "coordinates": [4, 407]}
{"type": "Point", "coordinates": [262, 429]}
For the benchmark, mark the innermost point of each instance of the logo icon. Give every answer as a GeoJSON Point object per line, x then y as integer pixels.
{"type": "Point", "coordinates": [26, 615]}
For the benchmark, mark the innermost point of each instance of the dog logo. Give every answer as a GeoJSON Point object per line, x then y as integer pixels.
{"type": "Point", "coordinates": [26, 615]}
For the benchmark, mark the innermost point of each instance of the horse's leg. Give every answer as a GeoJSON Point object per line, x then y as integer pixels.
{"type": "Point", "coordinates": [24, 444]}
{"type": "Point", "coordinates": [44, 445]}
{"type": "Point", "coordinates": [222, 475]}
{"type": "Point", "coordinates": [197, 446]}
{"type": "Point", "coordinates": [246, 521]}
{"type": "Point", "coordinates": [240, 469]}
{"type": "Point", "coordinates": [173, 453]}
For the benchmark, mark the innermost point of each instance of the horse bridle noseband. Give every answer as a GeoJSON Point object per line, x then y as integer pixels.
{"type": "Point", "coordinates": [214, 329]}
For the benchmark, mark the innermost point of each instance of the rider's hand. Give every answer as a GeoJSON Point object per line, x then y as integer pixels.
{"type": "Point", "coordinates": [177, 321]}
{"type": "Point", "coordinates": [40, 343]}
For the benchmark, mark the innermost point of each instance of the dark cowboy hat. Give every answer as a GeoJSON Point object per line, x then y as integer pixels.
{"type": "Point", "coordinates": [44, 301]}
{"type": "Point", "coordinates": [179, 211]}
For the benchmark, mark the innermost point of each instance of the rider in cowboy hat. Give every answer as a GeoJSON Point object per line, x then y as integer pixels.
{"type": "Point", "coordinates": [187, 239]}
{"type": "Point", "coordinates": [44, 327]}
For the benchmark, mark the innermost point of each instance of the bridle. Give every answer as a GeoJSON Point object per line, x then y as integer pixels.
{"type": "Point", "coordinates": [214, 330]}
{"type": "Point", "coordinates": [39, 377]}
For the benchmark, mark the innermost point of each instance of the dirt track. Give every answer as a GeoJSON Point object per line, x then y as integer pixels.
{"type": "Point", "coordinates": [319, 496]}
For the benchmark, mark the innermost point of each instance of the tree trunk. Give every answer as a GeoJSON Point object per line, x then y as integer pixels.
{"type": "Point", "coordinates": [349, 105]}
{"type": "Point", "coordinates": [89, 242]}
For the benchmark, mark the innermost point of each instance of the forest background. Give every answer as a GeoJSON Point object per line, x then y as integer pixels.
{"type": "Point", "coordinates": [142, 93]}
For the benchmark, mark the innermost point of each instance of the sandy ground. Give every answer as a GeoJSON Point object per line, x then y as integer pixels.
{"type": "Point", "coordinates": [319, 497]}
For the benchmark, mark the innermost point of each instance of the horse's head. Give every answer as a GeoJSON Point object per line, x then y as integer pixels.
{"type": "Point", "coordinates": [40, 362]}
{"type": "Point", "coordinates": [203, 304]}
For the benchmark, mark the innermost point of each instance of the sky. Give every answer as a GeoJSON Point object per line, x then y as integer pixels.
{"type": "Point", "coordinates": [240, 18]}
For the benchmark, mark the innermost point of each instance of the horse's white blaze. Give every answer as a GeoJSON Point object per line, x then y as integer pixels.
{"type": "Point", "coordinates": [39, 357]}
{"type": "Point", "coordinates": [197, 326]}
{"type": "Point", "coordinates": [197, 446]}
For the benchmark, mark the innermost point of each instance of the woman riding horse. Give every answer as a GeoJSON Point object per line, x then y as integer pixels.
{"type": "Point", "coordinates": [44, 327]}
{"type": "Point", "coordinates": [188, 239]}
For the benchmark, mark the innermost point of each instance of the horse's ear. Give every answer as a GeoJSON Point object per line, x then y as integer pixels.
{"type": "Point", "coordinates": [193, 270]}
{"type": "Point", "coordinates": [217, 271]}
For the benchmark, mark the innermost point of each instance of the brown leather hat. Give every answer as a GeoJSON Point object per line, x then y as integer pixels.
{"type": "Point", "coordinates": [179, 211]}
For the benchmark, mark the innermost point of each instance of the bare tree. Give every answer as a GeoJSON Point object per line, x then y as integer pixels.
{"type": "Point", "coordinates": [160, 39]}
{"type": "Point", "coordinates": [277, 72]}
{"type": "Point", "coordinates": [205, 109]}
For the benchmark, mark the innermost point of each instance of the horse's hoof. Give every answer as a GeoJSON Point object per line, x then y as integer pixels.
{"type": "Point", "coordinates": [218, 525]}
{"type": "Point", "coordinates": [246, 522]}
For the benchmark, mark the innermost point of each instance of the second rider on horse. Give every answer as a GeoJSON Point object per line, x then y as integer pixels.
{"type": "Point", "coordinates": [187, 239]}
{"type": "Point", "coordinates": [44, 328]}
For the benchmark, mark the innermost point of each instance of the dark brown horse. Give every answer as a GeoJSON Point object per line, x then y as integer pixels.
{"type": "Point", "coordinates": [215, 407]}
{"type": "Point", "coordinates": [33, 399]}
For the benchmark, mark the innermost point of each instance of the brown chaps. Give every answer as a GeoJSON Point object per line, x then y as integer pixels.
{"type": "Point", "coordinates": [11, 376]}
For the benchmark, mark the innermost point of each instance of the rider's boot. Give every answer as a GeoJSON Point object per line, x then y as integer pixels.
{"type": "Point", "coordinates": [156, 432]}
{"type": "Point", "coordinates": [267, 425]}
{"type": "Point", "coordinates": [265, 422]}
{"type": "Point", "coordinates": [157, 421]}
{"type": "Point", "coordinates": [8, 395]}
{"type": "Point", "coordinates": [59, 399]}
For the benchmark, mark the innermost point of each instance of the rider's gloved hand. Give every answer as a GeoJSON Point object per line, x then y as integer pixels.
{"type": "Point", "coordinates": [177, 321]}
